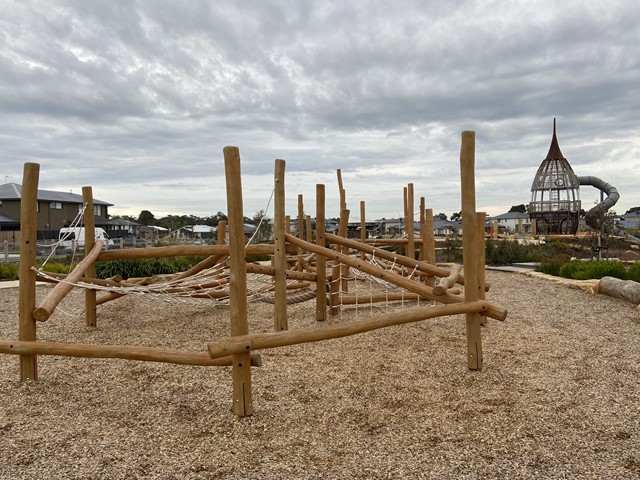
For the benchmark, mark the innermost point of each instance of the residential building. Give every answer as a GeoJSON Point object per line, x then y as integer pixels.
{"type": "Point", "coordinates": [55, 210]}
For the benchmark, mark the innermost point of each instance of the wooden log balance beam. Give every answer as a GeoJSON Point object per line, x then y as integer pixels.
{"type": "Point", "coordinates": [423, 267]}
{"type": "Point", "coordinates": [125, 352]}
{"type": "Point", "coordinates": [55, 296]}
{"type": "Point", "coordinates": [183, 250]}
{"type": "Point", "coordinates": [445, 283]}
{"type": "Point", "coordinates": [493, 311]}
{"type": "Point", "coordinates": [260, 341]}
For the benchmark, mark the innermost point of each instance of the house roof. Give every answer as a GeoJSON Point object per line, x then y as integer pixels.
{"type": "Point", "coordinates": [121, 221]}
{"type": "Point", "coordinates": [511, 215]}
{"type": "Point", "coordinates": [12, 191]}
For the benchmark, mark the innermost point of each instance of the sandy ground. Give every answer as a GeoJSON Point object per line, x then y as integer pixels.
{"type": "Point", "coordinates": [559, 396]}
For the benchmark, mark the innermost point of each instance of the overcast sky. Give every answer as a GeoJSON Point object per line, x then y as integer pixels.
{"type": "Point", "coordinates": [138, 99]}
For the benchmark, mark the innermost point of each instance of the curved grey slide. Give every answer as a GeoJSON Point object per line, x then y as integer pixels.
{"type": "Point", "coordinates": [593, 215]}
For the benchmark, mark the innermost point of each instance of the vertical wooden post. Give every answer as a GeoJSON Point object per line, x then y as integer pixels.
{"type": "Point", "coordinates": [363, 228]}
{"type": "Point", "coordinates": [280, 254]}
{"type": "Point", "coordinates": [307, 228]}
{"type": "Point", "coordinates": [300, 230]}
{"type": "Point", "coordinates": [411, 246]}
{"type": "Point", "coordinates": [321, 261]}
{"type": "Point", "coordinates": [222, 238]}
{"type": "Point", "coordinates": [300, 218]}
{"type": "Point", "coordinates": [242, 399]}
{"type": "Point", "coordinates": [481, 218]}
{"type": "Point", "coordinates": [344, 268]}
{"type": "Point", "coordinates": [89, 241]}
{"type": "Point", "coordinates": [470, 247]}
{"type": "Point", "coordinates": [27, 291]}
{"type": "Point", "coordinates": [534, 229]}
{"type": "Point", "coordinates": [423, 231]}
{"type": "Point", "coordinates": [430, 248]}
{"type": "Point", "coordinates": [495, 227]}
{"type": "Point", "coordinates": [341, 191]}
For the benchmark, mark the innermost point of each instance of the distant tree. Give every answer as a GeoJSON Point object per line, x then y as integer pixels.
{"type": "Point", "coordinates": [456, 216]}
{"type": "Point", "coordinates": [522, 208]}
{"type": "Point", "coordinates": [633, 210]}
{"type": "Point", "coordinates": [146, 217]}
{"type": "Point", "coordinates": [265, 227]}
{"type": "Point", "coordinates": [442, 216]}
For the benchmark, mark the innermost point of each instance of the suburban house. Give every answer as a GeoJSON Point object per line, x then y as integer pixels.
{"type": "Point", "coordinates": [55, 210]}
{"type": "Point", "coordinates": [510, 222]}
{"type": "Point", "coordinates": [203, 232]}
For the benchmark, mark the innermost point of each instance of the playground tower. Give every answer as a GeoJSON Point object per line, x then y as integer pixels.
{"type": "Point", "coordinates": [555, 194]}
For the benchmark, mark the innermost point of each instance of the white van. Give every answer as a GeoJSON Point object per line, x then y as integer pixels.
{"type": "Point", "coordinates": [68, 236]}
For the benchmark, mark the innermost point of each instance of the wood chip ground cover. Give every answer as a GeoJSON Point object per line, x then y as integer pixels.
{"type": "Point", "coordinates": [558, 397]}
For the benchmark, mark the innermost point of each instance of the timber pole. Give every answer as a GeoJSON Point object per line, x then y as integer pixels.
{"type": "Point", "coordinates": [89, 241]}
{"type": "Point", "coordinates": [27, 289]}
{"type": "Point", "coordinates": [242, 399]}
{"type": "Point", "coordinates": [321, 262]}
{"type": "Point", "coordinates": [481, 219]}
{"type": "Point", "coordinates": [470, 248]}
{"type": "Point", "coordinates": [411, 246]}
{"type": "Point", "coordinates": [280, 253]}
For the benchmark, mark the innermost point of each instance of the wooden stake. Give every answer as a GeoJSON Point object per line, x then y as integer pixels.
{"type": "Point", "coordinates": [242, 399]}
{"type": "Point", "coordinates": [280, 253]}
{"type": "Point", "coordinates": [27, 290]}
{"type": "Point", "coordinates": [89, 240]}
{"type": "Point", "coordinates": [342, 232]}
{"type": "Point", "coordinates": [411, 246]}
{"type": "Point", "coordinates": [321, 263]}
{"type": "Point", "coordinates": [470, 247]}
{"type": "Point", "coordinates": [363, 228]}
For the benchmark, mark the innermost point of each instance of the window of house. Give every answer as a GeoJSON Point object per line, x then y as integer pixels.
{"type": "Point", "coordinates": [97, 210]}
{"type": "Point", "coordinates": [55, 205]}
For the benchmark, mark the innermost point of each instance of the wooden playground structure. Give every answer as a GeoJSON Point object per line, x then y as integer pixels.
{"type": "Point", "coordinates": [332, 263]}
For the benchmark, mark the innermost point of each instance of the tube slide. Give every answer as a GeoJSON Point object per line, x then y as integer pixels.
{"type": "Point", "coordinates": [594, 215]}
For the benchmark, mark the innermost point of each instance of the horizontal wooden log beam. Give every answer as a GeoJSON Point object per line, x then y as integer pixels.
{"type": "Point", "coordinates": [259, 341]}
{"type": "Point", "coordinates": [183, 250]}
{"type": "Point", "coordinates": [125, 352]}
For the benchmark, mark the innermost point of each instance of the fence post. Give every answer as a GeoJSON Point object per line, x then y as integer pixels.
{"type": "Point", "coordinates": [470, 247]}
{"type": "Point", "coordinates": [280, 253]}
{"type": "Point", "coordinates": [242, 399]}
{"type": "Point", "coordinates": [89, 241]}
{"type": "Point", "coordinates": [27, 289]}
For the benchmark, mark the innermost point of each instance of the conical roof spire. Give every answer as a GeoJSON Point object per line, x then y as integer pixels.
{"type": "Point", "coordinates": [554, 149]}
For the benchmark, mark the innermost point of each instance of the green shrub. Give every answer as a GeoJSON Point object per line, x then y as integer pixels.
{"type": "Point", "coordinates": [9, 271]}
{"type": "Point", "coordinates": [552, 265]}
{"type": "Point", "coordinates": [506, 253]}
{"type": "Point", "coordinates": [633, 272]}
{"type": "Point", "coordinates": [144, 267]}
{"type": "Point", "coordinates": [593, 270]}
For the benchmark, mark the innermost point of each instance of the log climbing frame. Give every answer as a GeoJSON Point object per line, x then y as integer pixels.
{"type": "Point", "coordinates": [334, 257]}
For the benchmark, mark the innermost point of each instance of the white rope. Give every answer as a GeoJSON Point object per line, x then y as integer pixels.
{"type": "Point", "coordinates": [263, 217]}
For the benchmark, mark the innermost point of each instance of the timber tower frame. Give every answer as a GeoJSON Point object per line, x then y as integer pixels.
{"type": "Point", "coordinates": [555, 194]}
